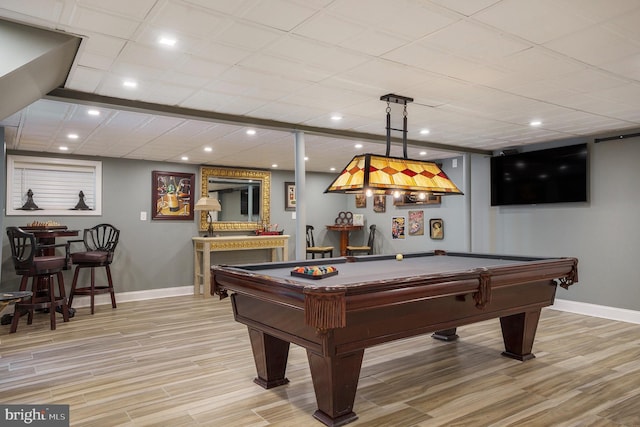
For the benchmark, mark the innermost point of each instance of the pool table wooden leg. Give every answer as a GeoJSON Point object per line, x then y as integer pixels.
{"type": "Point", "coordinates": [270, 355]}
{"type": "Point", "coordinates": [335, 380]}
{"type": "Point", "coordinates": [518, 333]}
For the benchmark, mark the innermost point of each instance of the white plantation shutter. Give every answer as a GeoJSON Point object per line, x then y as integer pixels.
{"type": "Point", "coordinates": [55, 183]}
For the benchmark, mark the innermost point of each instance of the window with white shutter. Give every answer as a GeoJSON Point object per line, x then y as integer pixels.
{"type": "Point", "coordinates": [56, 185]}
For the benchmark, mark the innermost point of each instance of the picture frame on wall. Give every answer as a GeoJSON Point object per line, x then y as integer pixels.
{"type": "Point", "coordinates": [361, 201]}
{"type": "Point", "coordinates": [172, 195]}
{"type": "Point", "coordinates": [398, 227]}
{"type": "Point", "coordinates": [413, 199]}
{"type": "Point", "coordinates": [289, 196]}
{"type": "Point", "coordinates": [379, 203]}
{"type": "Point", "coordinates": [416, 223]}
{"type": "Point", "coordinates": [436, 228]}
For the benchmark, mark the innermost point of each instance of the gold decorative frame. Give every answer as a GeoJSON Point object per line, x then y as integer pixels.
{"type": "Point", "coordinates": [264, 177]}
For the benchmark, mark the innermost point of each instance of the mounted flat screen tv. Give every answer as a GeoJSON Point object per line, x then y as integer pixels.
{"type": "Point", "coordinates": [556, 175]}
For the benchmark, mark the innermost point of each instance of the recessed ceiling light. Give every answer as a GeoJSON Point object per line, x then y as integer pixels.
{"type": "Point", "coordinates": [208, 149]}
{"type": "Point", "coordinates": [535, 123]}
{"type": "Point", "coordinates": [167, 41]}
{"type": "Point", "coordinates": [131, 84]}
{"type": "Point", "coordinates": [185, 158]}
{"type": "Point", "coordinates": [423, 153]}
{"type": "Point", "coordinates": [336, 117]}
{"type": "Point", "coordinates": [332, 169]}
{"type": "Point", "coordinates": [306, 159]}
{"type": "Point", "coordinates": [251, 131]}
{"type": "Point", "coordinates": [424, 131]}
{"type": "Point", "coordinates": [63, 148]}
{"type": "Point", "coordinates": [358, 146]}
{"type": "Point", "coordinates": [93, 112]}
{"type": "Point", "coordinates": [72, 136]}
{"type": "Point", "coordinates": [275, 165]}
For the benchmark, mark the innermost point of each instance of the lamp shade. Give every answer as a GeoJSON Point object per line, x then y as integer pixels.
{"type": "Point", "coordinates": [387, 175]}
{"type": "Point", "coordinates": [207, 204]}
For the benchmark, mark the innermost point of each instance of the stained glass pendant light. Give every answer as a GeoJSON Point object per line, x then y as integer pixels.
{"type": "Point", "coordinates": [377, 174]}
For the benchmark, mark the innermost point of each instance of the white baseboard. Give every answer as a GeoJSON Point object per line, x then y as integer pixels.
{"type": "Point", "coordinates": [102, 299]}
{"type": "Point", "coordinates": [85, 301]}
{"type": "Point", "coordinates": [612, 313]}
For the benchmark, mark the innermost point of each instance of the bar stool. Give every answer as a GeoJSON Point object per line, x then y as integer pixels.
{"type": "Point", "coordinates": [99, 242]}
{"type": "Point", "coordinates": [34, 261]}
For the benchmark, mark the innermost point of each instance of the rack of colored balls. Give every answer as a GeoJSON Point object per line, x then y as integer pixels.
{"type": "Point", "coordinates": [314, 271]}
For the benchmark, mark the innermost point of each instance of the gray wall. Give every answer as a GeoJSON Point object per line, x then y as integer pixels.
{"type": "Point", "coordinates": [604, 234]}
{"type": "Point", "coordinates": [151, 254]}
{"type": "Point", "coordinates": [159, 254]}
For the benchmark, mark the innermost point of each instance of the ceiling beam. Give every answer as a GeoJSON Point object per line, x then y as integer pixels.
{"type": "Point", "coordinates": [85, 98]}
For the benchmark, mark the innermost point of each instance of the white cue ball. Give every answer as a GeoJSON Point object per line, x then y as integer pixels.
{"type": "Point", "coordinates": [399, 257]}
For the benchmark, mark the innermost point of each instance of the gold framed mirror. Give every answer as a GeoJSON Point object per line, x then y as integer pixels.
{"type": "Point", "coordinates": [244, 195]}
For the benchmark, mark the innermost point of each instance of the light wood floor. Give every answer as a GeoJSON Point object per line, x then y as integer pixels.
{"type": "Point", "coordinates": [183, 361]}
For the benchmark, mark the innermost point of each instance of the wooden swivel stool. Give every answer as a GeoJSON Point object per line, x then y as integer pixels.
{"type": "Point", "coordinates": [99, 242]}
{"type": "Point", "coordinates": [30, 263]}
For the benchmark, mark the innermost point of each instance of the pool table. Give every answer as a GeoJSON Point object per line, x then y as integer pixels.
{"type": "Point", "coordinates": [375, 299]}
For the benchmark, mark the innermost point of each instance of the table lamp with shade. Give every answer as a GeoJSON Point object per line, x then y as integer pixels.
{"type": "Point", "coordinates": [208, 204]}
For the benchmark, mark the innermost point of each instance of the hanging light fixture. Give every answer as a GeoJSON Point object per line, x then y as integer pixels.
{"type": "Point", "coordinates": [375, 174]}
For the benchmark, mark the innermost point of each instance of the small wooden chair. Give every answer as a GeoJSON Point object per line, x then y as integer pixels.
{"type": "Point", "coordinates": [313, 249]}
{"type": "Point", "coordinates": [40, 263]}
{"type": "Point", "coordinates": [351, 250]}
{"type": "Point", "coordinates": [100, 243]}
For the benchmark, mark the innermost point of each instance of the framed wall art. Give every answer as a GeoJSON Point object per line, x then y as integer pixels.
{"type": "Point", "coordinates": [172, 195]}
{"type": "Point", "coordinates": [289, 196]}
{"type": "Point", "coordinates": [413, 199]}
{"type": "Point", "coordinates": [379, 203]}
{"type": "Point", "coordinates": [436, 229]}
{"type": "Point", "coordinates": [416, 223]}
{"type": "Point", "coordinates": [397, 227]}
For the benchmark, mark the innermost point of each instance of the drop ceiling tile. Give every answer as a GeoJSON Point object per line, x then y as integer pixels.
{"type": "Point", "coordinates": [600, 11]}
{"type": "Point", "coordinates": [42, 10]}
{"type": "Point", "coordinates": [539, 22]}
{"type": "Point", "coordinates": [100, 44]}
{"type": "Point", "coordinates": [328, 28]}
{"type": "Point", "coordinates": [269, 13]}
{"type": "Point", "coordinates": [465, 7]}
{"type": "Point", "coordinates": [374, 42]}
{"type": "Point", "coordinates": [104, 23]}
{"type": "Point", "coordinates": [150, 56]}
{"type": "Point", "coordinates": [138, 9]}
{"type": "Point", "coordinates": [225, 7]}
{"type": "Point", "coordinates": [474, 41]}
{"type": "Point", "coordinates": [246, 36]}
{"type": "Point", "coordinates": [323, 56]}
{"type": "Point", "coordinates": [595, 46]}
{"type": "Point", "coordinates": [417, 18]}
{"type": "Point", "coordinates": [209, 50]}
{"type": "Point", "coordinates": [626, 24]}
{"type": "Point", "coordinates": [188, 19]}
{"type": "Point", "coordinates": [386, 76]}
{"type": "Point", "coordinates": [284, 67]}
{"type": "Point", "coordinates": [628, 67]}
